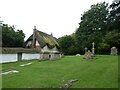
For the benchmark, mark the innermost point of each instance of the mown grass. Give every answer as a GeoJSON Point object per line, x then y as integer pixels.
{"type": "Point", "coordinates": [101, 72]}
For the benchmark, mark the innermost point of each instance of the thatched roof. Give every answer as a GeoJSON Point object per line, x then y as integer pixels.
{"type": "Point", "coordinates": [44, 39]}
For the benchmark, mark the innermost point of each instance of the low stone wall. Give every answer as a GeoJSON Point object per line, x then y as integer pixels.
{"type": "Point", "coordinates": [18, 50]}
{"type": "Point", "coordinates": [50, 56]}
{"type": "Point", "coordinates": [44, 56]}
{"type": "Point", "coordinates": [55, 56]}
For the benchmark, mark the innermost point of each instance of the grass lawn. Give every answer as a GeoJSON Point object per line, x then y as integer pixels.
{"type": "Point", "coordinates": [101, 72]}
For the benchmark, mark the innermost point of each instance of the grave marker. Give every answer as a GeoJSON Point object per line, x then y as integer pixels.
{"type": "Point", "coordinates": [114, 51]}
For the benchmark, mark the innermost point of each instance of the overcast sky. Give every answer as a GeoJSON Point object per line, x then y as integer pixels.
{"type": "Point", "coordinates": [61, 17]}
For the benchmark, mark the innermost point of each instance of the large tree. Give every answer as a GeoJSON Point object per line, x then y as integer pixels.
{"type": "Point", "coordinates": [114, 16]}
{"type": "Point", "coordinates": [12, 37]}
{"type": "Point", "coordinates": [93, 25]}
{"type": "Point", "coordinates": [113, 36]}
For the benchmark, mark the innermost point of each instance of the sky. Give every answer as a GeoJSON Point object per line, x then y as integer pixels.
{"type": "Point", "coordinates": [59, 17]}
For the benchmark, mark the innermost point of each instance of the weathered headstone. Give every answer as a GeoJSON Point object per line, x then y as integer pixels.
{"type": "Point", "coordinates": [88, 55]}
{"type": "Point", "coordinates": [114, 51]}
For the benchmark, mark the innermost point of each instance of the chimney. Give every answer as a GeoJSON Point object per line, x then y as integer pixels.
{"type": "Point", "coordinates": [33, 36]}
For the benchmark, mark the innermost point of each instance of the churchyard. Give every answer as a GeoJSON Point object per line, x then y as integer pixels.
{"type": "Point", "coordinates": [87, 58]}
{"type": "Point", "coordinates": [67, 72]}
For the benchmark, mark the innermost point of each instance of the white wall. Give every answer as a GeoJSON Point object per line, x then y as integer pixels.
{"type": "Point", "coordinates": [29, 43]}
{"type": "Point", "coordinates": [37, 44]}
{"type": "Point", "coordinates": [46, 49]}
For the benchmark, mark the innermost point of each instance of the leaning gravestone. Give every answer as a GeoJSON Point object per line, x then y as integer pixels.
{"type": "Point", "coordinates": [88, 55]}
{"type": "Point", "coordinates": [114, 51]}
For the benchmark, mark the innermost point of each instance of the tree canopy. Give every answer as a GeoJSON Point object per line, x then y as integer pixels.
{"type": "Point", "coordinates": [12, 37]}
{"type": "Point", "coordinates": [93, 25]}
{"type": "Point", "coordinates": [100, 24]}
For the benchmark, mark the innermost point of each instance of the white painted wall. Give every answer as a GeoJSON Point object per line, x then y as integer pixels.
{"type": "Point", "coordinates": [46, 49]}
{"type": "Point", "coordinates": [37, 44]}
{"type": "Point", "coordinates": [29, 43]}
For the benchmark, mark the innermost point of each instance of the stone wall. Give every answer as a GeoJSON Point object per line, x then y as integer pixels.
{"type": "Point", "coordinates": [50, 56]}
{"type": "Point", "coordinates": [44, 56]}
{"type": "Point", "coordinates": [55, 56]}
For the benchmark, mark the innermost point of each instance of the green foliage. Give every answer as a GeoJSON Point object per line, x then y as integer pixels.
{"type": "Point", "coordinates": [94, 19]}
{"type": "Point", "coordinates": [66, 44]}
{"type": "Point", "coordinates": [92, 25]}
{"type": "Point", "coordinates": [99, 73]}
{"type": "Point", "coordinates": [114, 17]}
{"type": "Point", "coordinates": [100, 24]}
{"type": "Point", "coordinates": [12, 38]}
{"type": "Point", "coordinates": [103, 48]}
{"type": "Point", "coordinates": [113, 39]}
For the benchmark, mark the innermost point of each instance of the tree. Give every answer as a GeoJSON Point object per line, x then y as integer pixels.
{"type": "Point", "coordinates": [92, 26]}
{"type": "Point", "coordinates": [113, 39]}
{"type": "Point", "coordinates": [103, 48]}
{"type": "Point", "coordinates": [19, 38]}
{"type": "Point", "coordinates": [114, 16]}
{"type": "Point", "coordinates": [99, 24]}
{"type": "Point", "coordinates": [12, 38]}
{"type": "Point", "coordinates": [113, 36]}
{"type": "Point", "coordinates": [66, 44]}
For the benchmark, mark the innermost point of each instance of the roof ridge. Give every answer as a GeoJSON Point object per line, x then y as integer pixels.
{"type": "Point", "coordinates": [47, 34]}
{"type": "Point", "coordinates": [43, 32]}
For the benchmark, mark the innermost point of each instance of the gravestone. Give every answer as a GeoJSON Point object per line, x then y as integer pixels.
{"type": "Point", "coordinates": [88, 55]}
{"type": "Point", "coordinates": [114, 51]}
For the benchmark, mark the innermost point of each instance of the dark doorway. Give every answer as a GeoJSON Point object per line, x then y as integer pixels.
{"type": "Point", "coordinates": [49, 57]}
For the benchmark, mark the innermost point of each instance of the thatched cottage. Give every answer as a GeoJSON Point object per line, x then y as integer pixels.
{"type": "Point", "coordinates": [47, 44]}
